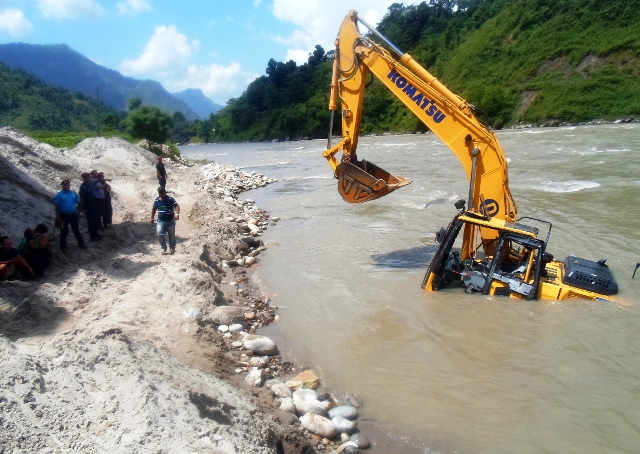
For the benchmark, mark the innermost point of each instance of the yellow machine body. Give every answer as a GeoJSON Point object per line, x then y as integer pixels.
{"type": "Point", "coordinates": [491, 212]}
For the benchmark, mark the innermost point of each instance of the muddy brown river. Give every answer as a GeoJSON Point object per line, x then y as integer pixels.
{"type": "Point", "coordinates": [453, 372]}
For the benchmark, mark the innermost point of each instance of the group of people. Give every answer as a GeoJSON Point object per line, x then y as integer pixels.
{"type": "Point", "coordinates": [30, 258]}
{"type": "Point", "coordinates": [34, 253]}
{"type": "Point", "coordinates": [94, 199]}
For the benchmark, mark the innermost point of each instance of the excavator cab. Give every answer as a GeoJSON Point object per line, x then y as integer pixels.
{"type": "Point", "coordinates": [515, 268]}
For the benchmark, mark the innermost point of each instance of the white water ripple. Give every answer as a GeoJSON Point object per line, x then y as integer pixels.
{"type": "Point", "coordinates": [563, 186]}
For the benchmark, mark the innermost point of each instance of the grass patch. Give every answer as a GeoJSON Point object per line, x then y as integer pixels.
{"type": "Point", "coordinates": [63, 139]}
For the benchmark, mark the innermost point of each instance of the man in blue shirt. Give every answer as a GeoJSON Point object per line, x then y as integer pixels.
{"type": "Point", "coordinates": [67, 202]}
{"type": "Point", "coordinates": [168, 213]}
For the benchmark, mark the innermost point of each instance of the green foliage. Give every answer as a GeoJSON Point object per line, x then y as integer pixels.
{"type": "Point", "coordinates": [149, 123]}
{"type": "Point", "coordinates": [175, 152]}
{"type": "Point", "coordinates": [180, 132]}
{"type": "Point", "coordinates": [578, 60]}
{"type": "Point", "coordinates": [134, 103]}
{"type": "Point", "coordinates": [579, 57]}
{"type": "Point", "coordinates": [29, 104]}
{"type": "Point", "coordinates": [66, 140]}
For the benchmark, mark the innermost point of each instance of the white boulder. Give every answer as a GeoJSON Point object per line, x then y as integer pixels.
{"type": "Point", "coordinates": [281, 390]}
{"type": "Point", "coordinates": [236, 328]}
{"type": "Point", "coordinates": [345, 411]}
{"type": "Point", "coordinates": [306, 401]}
{"type": "Point", "coordinates": [259, 361]}
{"type": "Point", "coordinates": [261, 345]}
{"type": "Point", "coordinates": [255, 377]}
{"type": "Point", "coordinates": [319, 425]}
{"type": "Point", "coordinates": [287, 405]}
{"type": "Point", "coordinates": [344, 425]}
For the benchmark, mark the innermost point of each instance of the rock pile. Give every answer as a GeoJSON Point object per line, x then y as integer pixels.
{"type": "Point", "coordinates": [326, 419]}
{"type": "Point", "coordinates": [229, 181]}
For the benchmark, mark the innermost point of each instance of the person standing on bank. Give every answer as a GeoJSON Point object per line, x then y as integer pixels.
{"type": "Point", "coordinates": [90, 207]}
{"type": "Point", "coordinates": [66, 202]}
{"type": "Point", "coordinates": [161, 172]}
{"type": "Point", "coordinates": [107, 217]}
{"type": "Point", "coordinates": [98, 192]}
{"type": "Point", "coordinates": [168, 213]}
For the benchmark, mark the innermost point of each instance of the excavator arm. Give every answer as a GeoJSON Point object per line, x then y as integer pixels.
{"type": "Point", "coordinates": [447, 115]}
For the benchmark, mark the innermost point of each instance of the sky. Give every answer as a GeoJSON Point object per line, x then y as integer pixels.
{"type": "Point", "coordinates": [217, 46]}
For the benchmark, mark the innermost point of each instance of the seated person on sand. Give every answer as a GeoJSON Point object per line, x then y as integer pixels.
{"type": "Point", "coordinates": [22, 245]}
{"type": "Point", "coordinates": [36, 257]}
{"type": "Point", "coordinates": [11, 262]}
{"type": "Point", "coordinates": [40, 235]}
{"type": "Point", "coordinates": [40, 232]}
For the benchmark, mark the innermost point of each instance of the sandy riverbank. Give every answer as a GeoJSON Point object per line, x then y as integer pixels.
{"type": "Point", "coordinates": [98, 355]}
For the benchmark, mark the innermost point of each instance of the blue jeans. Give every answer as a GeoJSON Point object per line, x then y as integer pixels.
{"type": "Point", "coordinates": [168, 227]}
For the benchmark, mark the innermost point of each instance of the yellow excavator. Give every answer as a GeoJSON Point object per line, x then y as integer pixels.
{"type": "Point", "coordinates": [500, 254]}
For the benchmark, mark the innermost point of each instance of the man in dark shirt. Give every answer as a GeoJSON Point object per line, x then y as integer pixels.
{"type": "Point", "coordinates": [90, 207]}
{"type": "Point", "coordinates": [10, 261]}
{"type": "Point", "coordinates": [161, 172]}
{"type": "Point", "coordinates": [168, 213]}
{"type": "Point", "coordinates": [36, 257]}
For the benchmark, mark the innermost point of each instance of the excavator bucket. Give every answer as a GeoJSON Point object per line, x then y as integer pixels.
{"type": "Point", "coordinates": [361, 181]}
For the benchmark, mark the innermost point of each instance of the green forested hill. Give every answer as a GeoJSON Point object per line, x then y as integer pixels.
{"type": "Point", "coordinates": [531, 61]}
{"type": "Point", "coordinates": [536, 60]}
{"type": "Point", "coordinates": [27, 103]}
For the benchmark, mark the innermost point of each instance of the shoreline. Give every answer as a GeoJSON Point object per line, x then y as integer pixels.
{"type": "Point", "coordinates": [549, 124]}
{"type": "Point", "coordinates": [133, 336]}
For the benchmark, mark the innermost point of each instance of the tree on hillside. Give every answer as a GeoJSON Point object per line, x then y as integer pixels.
{"type": "Point", "coordinates": [111, 120]}
{"type": "Point", "coordinates": [149, 123]}
{"type": "Point", "coordinates": [180, 130]}
{"type": "Point", "coordinates": [134, 103]}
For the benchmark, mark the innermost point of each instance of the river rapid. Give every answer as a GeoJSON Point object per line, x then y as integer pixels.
{"type": "Point", "coordinates": [453, 372]}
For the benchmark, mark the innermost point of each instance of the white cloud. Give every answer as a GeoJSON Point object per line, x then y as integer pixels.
{"type": "Point", "coordinates": [70, 8]}
{"type": "Point", "coordinates": [298, 55]}
{"type": "Point", "coordinates": [13, 22]}
{"type": "Point", "coordinates": [318, 21]}
{"type": "Point", "coordinates": [167, 58]}
{"type": "Point", "coordinates": [132, 7]}
{"type": "Point", "coordinates": [217, 82]}
{"type": "Point", "coordinates": [256, 3]}
{"type": "Point", "coordinates": [167, 53]}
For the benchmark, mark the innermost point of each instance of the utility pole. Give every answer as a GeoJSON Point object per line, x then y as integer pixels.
{"type": "Point", "coordinates": [98, 100]}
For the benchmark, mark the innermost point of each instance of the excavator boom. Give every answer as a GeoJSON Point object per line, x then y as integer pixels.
{"type": "Point", "coordinates": [447, 115]}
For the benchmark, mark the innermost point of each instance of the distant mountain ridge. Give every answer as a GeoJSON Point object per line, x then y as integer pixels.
{"type": "Point", "coordinates": [196, 99]}
{"type": "Point", "coordinates": [58, 64]}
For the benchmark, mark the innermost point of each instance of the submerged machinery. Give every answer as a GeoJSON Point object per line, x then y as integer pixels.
{"type": "Point", "coordinates": [501, 254]}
